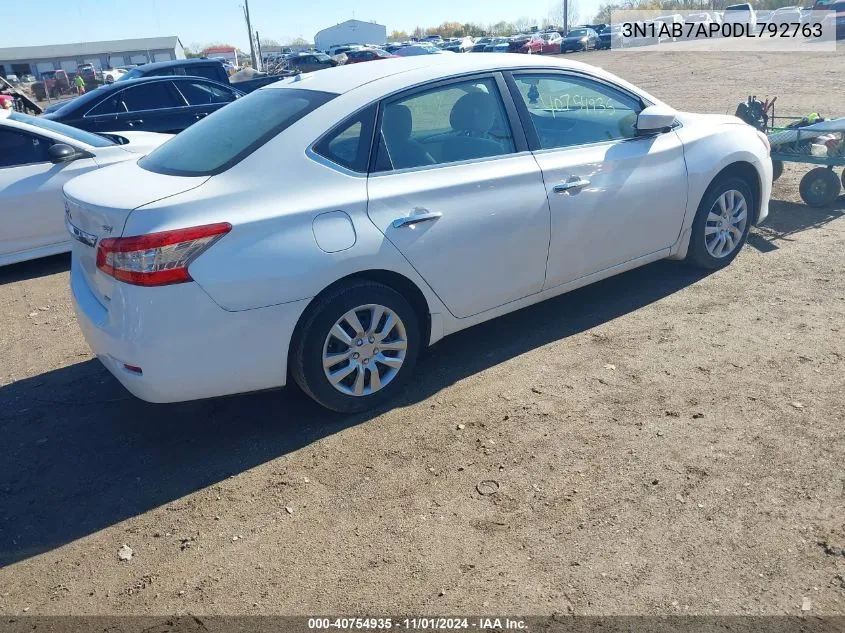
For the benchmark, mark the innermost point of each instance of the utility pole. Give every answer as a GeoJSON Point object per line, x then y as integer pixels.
{"type": "Point", "coordinates": [260, 54]}
{"type": "Point", "coordinates": [249, 32]}
{"type": "Point", "coordinates": [565, 17]}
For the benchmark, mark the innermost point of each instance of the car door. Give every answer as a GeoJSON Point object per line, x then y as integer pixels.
{"type": "Point", "coordinates": [614, 196]}
{"type": "Point", "coordinates": [31, 204]}
{"type": "Point", "coordinates": [455, 191]}
{"type": "Point", "coordinates": [152, 107]}
{"type": "Point", "coordinates": [204, 97]}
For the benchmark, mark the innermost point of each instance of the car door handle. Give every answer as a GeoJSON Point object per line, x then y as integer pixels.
{"type": "Point", "coordinates": [200, 115]}
{"type": "Point", "coordinates": [419, 215]}
{"type": "Point", "coordinates": [135, 121]}
{"type": "Point", "coordinates": [563, 187]}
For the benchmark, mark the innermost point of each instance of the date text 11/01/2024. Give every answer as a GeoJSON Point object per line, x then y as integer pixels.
{"type": "Point", "coordinates": [418, 624]}
{"type": "Point", "coordinates": [693, 30]}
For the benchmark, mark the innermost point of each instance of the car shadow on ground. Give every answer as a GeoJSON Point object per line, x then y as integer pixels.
{"type": "Point", "coordinates": [788, 218]}
{"type": "Point", "coordinates": [35, 268]}
{"type": "Point", "coordinates": [78, 453]}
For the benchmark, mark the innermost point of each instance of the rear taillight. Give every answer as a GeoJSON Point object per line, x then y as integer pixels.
{"type": "Point", "coordinates": [157, 259]}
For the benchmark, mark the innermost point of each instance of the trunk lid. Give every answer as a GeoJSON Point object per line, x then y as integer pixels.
{"type": "Point", "coordinates": [98, 204]}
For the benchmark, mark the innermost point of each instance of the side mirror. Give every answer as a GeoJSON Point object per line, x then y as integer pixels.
{"type": "Point", "coordinates": [655, 118]}
{"type": "Point", "coordinates": [63, 153]}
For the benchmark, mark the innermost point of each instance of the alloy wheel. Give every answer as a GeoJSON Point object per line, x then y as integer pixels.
{"type": "Point", "coordinates": [364, 350]}
{"type": "Point", "coordinates": [726, 223]}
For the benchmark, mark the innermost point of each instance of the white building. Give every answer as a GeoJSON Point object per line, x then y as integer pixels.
{"type": "Point", "coordinates": [351, 32]}
{"type": "Point", "coordinates": [24, 60]}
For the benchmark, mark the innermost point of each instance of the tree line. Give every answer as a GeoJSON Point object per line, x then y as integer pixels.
{"type": "Point", "coordinates": [603, 15]}
{"type": "Point", "coordinates": [503, 28]}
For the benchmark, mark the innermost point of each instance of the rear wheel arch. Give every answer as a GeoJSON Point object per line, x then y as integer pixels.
{"type": "Point", "coordinates": [398, 282]}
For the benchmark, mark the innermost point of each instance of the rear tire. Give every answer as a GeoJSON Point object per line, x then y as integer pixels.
{"type": "Point", "coordinates": [721, 223]}
{"type": "Point", "coordinates": [351, 373]}
{"type": "Point", "coordinates": [777, 169]}
{"type": "Point", "coordinates": [819, 187]}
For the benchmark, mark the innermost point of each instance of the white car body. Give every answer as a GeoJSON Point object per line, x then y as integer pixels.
{"type": "Point", "coordinates": [113, 74]}
{"type": "Point", "coordinates": [504, 232]}
{"type": "Point", "coordinates": [787, 15]}
{"type": "Point", "coordinates": [741, 14]}
{"type": "Point", "coordinates": [31, 202]}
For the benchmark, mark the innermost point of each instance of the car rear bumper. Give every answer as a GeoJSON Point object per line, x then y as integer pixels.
{"type": "Point", "coordinates": [186, 346]}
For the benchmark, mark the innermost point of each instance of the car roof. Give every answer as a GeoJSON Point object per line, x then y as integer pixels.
{"type": "Point", "coordinates": [380, 79]}
{"type": "Point", "coordinates": [179, 62]}
{"type": "Point", "coordinates": [94, 96]}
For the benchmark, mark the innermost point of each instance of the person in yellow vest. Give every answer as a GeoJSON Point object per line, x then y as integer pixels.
{"type": "Point", "coordinates": [79, 82]}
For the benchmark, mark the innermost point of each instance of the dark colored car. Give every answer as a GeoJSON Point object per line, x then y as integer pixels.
{"type": "Point", "coordinates": [366, 55]}
{"type": "Point", "coordinates": [149, 104]}
{"type": "Point", "coordinates": [88, 73]}
{"type": "Point", "coordinates": [481, 44]}
{"type": "Point", "coordinates": [517, 42]}
{"type": "Point", "coordinates": [610, 37]}
{"type": "Point", "coordinates": [838, 16]}
{"type": "Point", "coordinates": [309, 62]}
{"type": "Point", "coordinates": [580, 39]}
{"type": "Point", "coordinates": [208, 68]}
{"type": "Point", "coordinates": [498, 45]}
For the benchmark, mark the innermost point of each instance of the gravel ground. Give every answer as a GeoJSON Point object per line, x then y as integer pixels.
{"type": "Point", "coordinates": [661, 442]}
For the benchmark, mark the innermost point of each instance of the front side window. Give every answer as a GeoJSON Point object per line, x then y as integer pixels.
{"type": "Point", "coordinates": [113, 104]}
{"type": "Point", "coordinates": [19, 148]}
{"type": "Point", "coordinates": [152, 96]}
{"type": "Point", "coordinates": [224, 138]}
{"type": "Point", "coordinates": [566, 111]}
{"type": "Point", "coordinates": [202, 93]}
{"type": "Point", "coordinates": [455, 122]}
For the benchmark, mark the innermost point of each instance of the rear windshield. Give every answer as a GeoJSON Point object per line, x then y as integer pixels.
{"type": "Point", "coordinates": [223, 139]}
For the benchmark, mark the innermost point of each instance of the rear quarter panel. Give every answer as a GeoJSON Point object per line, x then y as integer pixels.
{"type": "Point", "coordinates": [271, 198]}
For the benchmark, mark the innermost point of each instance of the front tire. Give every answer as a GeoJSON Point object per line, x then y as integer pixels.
{"type": "Point", "coordinates": [357, 347]}
{"type": "Point", "coordinates": [721, 224]}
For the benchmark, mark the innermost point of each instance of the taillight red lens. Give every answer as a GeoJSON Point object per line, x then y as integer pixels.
{"type": "Point", "coordinates": [157, 259]}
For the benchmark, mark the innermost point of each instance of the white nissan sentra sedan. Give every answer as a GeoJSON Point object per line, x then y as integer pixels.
{"type": "Point", "coordinates": [328, 227]}
{"type": "Point", "coordinates": [37, 157]}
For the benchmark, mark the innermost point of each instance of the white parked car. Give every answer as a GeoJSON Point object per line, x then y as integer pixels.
{"type": "Point", "coordinates": [326, 229]}
{"type": "Point", "coordinates": [699, 18]}
{"type": "Point", "coordinates": [741, 14]}
{"type": "Point", "coordinates": [113, 74]}
{"type": "Point", "coordinates": [37, 157]}
{"type": "Point", "coordinates": [667, 33]}
{"type": "Point", "coordinates": [786, 15]}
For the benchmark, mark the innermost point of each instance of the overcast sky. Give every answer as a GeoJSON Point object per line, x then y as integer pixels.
{"type": "Point", "coordinates": [205, 21]}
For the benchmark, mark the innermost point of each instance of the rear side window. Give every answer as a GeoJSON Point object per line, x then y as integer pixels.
{"type": "Point", "coordinates": [348, 144]}
{"type": "Point", "coordinates": [223, 139]}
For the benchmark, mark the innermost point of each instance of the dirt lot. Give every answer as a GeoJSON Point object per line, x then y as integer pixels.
{"type": "Point", "coordinates": [662, 442]}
